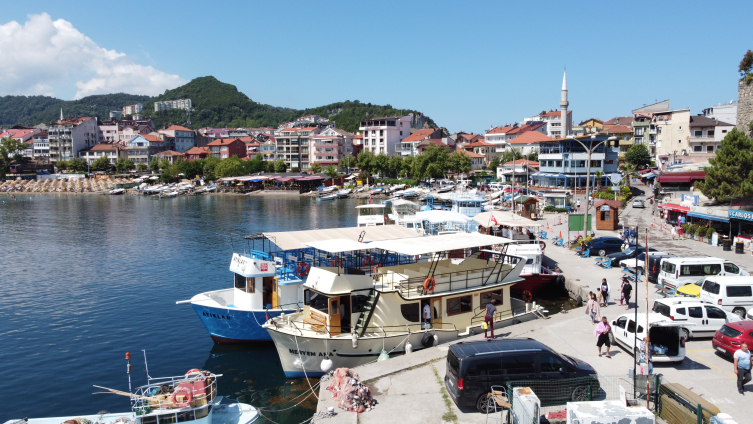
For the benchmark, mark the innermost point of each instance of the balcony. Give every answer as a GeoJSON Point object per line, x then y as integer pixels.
{"type": "Point", "coordinates": [652, 131]}
{"type": "Point", "coordinates": [701, 139]}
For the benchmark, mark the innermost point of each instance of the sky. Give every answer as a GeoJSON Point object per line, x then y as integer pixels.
{"type": "Point", "coordinates": [468, 65]}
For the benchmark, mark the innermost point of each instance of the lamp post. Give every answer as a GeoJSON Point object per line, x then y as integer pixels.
{"type": "Point", "coordinates": [588, 170]}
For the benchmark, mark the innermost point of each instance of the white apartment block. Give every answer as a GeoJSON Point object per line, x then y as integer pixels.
{"type": "Point", "coordinates": [723, 112]}
{"type": "Point", "coordinates": [672, 136]}
{"type": "Point", "coordinates": [184, 138]}
{"type": "Point", "coordinates": [330, 146]}
{"type": "Point", "coordinates": [41, 147]}
{"type": "Point", "coordinates": [133, 109]}
{"type": "Point", "coordinates": [384, 135]}
{"type": "Point", "coordinates": [553, 121]}
{"type": "Point", "coordinates": [71, 135]}
{"type": "Point", "coordinates": [294, 146]}
{"type": "Point", "coordinates": [184, 104]}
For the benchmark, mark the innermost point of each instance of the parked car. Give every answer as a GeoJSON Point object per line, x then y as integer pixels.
{"type": "Point", "coordinates": [605, 245]}
{"type": "Point", "coordinates": [728, 339]}
{"type": "Point", "coordinates": [663, 332]}
{"type": "Point", "coordinates": [678, 271]}
{"type": "Point", "coordinates": [473, 367]}
{"type": "Point", "coordinates": [731, 293]}
{"type": "Point", "coordinates": [639, 203]}
{"type": "Point", "coordinates": [705, 318]}
{"type": "Point", "coordinates": [630, 253]}
{"type": "Point", "coordinates": [639, 262]}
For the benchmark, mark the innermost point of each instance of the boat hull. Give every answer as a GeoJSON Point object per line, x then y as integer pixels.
{"type": "Point", "coordinates": [533, 283]}
{"type": "Point", "coordinates": [235, 326]}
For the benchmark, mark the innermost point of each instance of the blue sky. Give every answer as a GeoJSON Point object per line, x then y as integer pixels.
{"type": "Point", "coordinates": [467, 65]}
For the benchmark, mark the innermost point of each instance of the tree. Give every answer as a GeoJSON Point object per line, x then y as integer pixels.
{"type": "Point", "coordinates": [638, 155]}
{"type": "Point", "coordinates": [154, 164]}
{"type": "Point", "coordinates": [746, 67]}
{"type": "Point", "coordinates": [381, 164]}
{"type": "Point", "coordinates": [512, 154]}
{"type": "Point", "coordinates": [407, 165]}
{"type": "Point", "coordinates": [210, 162]}
{"type": "Point", "coordinates": [164, 164]}
{"type": "Point", "coordinates": [366, 161]}
{"type": "Point", "coordinates": [394, 166]}
{"type": "Point", "coordinates": [316, 168]}
{"type": "Point", "coordinates": [230, 167]}
{"type": "Point", "coordinates": [459, 163]}
{"type": "Point", "coordinates": [61, 165]}
{"type": "Point", "coordinates": [347, 162]}
{"type": "Point", "coordinates": [432, 163]}
{"type": "Point", "coordinates": [731, 171]}
{"type": "Point", "coordinates": [599, 175]}
{"type": "Point", "coordinates": [255, 165]}
{"type": "Point", "coordinates": [124, 164]}
{"type": "Point", "coordinates": [494, 163]}
{"type": "Point", "coordinates": [101, 164]}
{"type": "Point", "coordinates": [280, 165]}
{"type": "Point", "coordinates": [142, 167]}
{"type": "Point", "coordinates": [533, 155]}
{"type": "Point", "coordinates": [628, 169]}
{"type": "Point", "coordinates": [330, 171]}
{"type": "Point", "coordinates": [10, 149]}
{"type": "Point", "coordinates": [77, 164]}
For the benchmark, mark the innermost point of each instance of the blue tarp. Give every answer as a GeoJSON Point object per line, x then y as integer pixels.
{"type": "Point", "coordinates": [650, 175]}
{"type": "Point", "coordinates": [708, 216]}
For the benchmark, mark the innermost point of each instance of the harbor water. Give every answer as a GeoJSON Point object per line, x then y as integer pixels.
{"type": "Point", "coordinates": [88, 278]}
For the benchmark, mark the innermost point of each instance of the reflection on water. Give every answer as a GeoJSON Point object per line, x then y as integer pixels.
{"type": "Point", "coordinates": [88, 278]}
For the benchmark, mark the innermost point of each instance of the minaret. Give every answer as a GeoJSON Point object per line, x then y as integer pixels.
{"type": "Point", "coordinates": [61, 113]}
{"type": "Point", "coordinates": [563, 106]}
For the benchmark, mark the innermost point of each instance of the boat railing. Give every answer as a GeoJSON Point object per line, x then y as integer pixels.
{"type": "Point", "coordinates": [293, 305]}
{"type": "Point", "coordinates": [480, 313]}
{"type": "Point", "coordinates": [159, 393]}
{"type": "Point", "coordinates": [452, 281]}
{"type": "Point", "coordinates": [301, 326]}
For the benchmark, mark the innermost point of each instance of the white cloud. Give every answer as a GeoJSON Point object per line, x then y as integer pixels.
{"type": "Point", "coordinates": [41, 54]}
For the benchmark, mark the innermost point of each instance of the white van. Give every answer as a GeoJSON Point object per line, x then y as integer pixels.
{"type": "Point", "coordinates": [678, 271]}
{"type": "Point", "coordinates": [665, 334]}
{"type": "Point", "coordinates": [706, 318]}
{"type": "Point", "coordinates": [734, 294]}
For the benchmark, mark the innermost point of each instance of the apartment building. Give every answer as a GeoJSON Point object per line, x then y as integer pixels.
{"type": "Point", "coordinates": [331, 145]}
{"type": "Point", "coordinates": [409, 145]}
{"type": "Point", "coordinates": [481, 147]}
{"type": "Point", "coordinates": [41, 147]}
{"type": "Point", "coordinates": [132, 109]}
{"type": "Point", "coordinates": [183, 138]}
{"type": "Point", "coordinates": [110, 151]}
{"type": "Point", "coordinates": [672, 136]}
{"type": "Point", "coordinates": [528, 142]}
{"type": "Point", "coordinates": [141, 149]}
{"type": "Point", "coordinates": [706, 135]}
{"type": "Point", "coordinates": [68, 136]}
{"type": "Point", "coordinates": [562, 162]}
{"type": "Point", "coordinates": [24, 135]}
{"type": "Point", "coordinates": [384, 135]}
{"type": "Point", "coordinates": [498, 135]}
{"type": "Point", "coordinates": [224, 148]}
{"type": "Point", "coordinates": [294, 146]}
{"type": "Point", "coordinates": [184, 104]}
{"type": "Point", "coordinates": [723, 112]}
{"type": "Point", "coordinates": [196, 153]}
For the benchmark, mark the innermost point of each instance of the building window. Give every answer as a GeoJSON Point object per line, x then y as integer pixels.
{"type": "Point", "coordinates": [459, 305]}
{"type": "Point", "coordinates": [710, 149]}
{"type": "Point", "coordinates": [710, 133]}
{"type": "Point", "coordinates": [698, 148]}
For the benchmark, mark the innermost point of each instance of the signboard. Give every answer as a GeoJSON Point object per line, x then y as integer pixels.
{"type": "Point", "coordinates": [249, 267]}
{"type": "Point", "coordinates": [689, 200]}
{"type": "Point", "coordinates": [738, 214]}
{"type": "Point", "coordinates": [575, 222]}
{"type": "Point", "coordinates": [604, 208]}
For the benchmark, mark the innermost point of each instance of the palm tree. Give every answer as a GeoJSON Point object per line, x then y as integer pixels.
{"type": "Point", "coordinates": [628, 170]}
{"type": "Point", "coordinates": [599, 175]}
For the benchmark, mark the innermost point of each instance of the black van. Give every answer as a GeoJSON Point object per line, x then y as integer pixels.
{"type": "Point", "coordinates": [473, 367]}
{"type": "Point", "coordinates": [653, 267]}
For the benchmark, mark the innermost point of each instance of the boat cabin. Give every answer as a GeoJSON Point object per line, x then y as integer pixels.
{"type": "Point", "coordinates": [371, 214]}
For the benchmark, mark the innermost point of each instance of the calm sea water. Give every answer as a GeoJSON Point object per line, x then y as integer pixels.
{"type": "Point", "coordinates": [86, 279]}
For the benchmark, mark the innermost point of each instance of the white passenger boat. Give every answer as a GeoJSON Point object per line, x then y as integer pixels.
{"type": "Point", "coordinates": [352, 316]}
{"type": "Point", "coordinates": [371, 214]}
{"type": "Point", "coordinates": [190, 398]}
{"type": "Point", "coordinates": [117, 191]}
{"type": "Point", "coordinates": [344, 193]}
{"type": "Point", "coordinates": [467, 203]}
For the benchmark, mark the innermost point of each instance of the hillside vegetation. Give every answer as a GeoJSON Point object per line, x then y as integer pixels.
{"type": "Point", "coordinates": [215, 104]}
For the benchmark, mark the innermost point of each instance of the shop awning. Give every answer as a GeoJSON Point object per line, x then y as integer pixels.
{"type": "Point", "coordinates": [681, 177]}
{"type": "Point", "coordinates": [676, 208]}
{"type": "Point", "coordinates": [284, 179]}
{"type": "Point", "coordinates": [650, 175]}
{"type": "Point", "coordinates": [708, 216]}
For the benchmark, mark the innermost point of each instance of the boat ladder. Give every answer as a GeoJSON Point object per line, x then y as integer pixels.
{"type": "Point", "coordinates": [368, 311]}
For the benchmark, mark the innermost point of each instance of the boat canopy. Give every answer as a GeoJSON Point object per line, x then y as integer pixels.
{"type": "Point", "coordinates": [400, 202]}
{"type": "Point", "coordinates": [372, 206]}
{"type": "Point", "coordinates": [437, 216]}
{"type": "Point", "coordinates": [338, 245]}
{"type": "Point", "coordinates": [443, 243]}
{"type": "Point", "coordinates": [503, 219]}
{"type": "Point", "coordinates": [291, 240]}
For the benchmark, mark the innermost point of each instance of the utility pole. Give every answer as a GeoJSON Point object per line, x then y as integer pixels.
{"type": "Point", "coordinates": [590, 150]}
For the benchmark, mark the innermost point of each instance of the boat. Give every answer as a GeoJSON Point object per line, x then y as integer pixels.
{"type": "Point", "coordinates": [326, 197]}
{"type": "Point", "coordinates": [344, 193]}
{"type": "Point", "coordinates": [353, 316]}
{"type": "Point", "coordinates": [467, 203]}
{"type": "Point", "coordinates": [267, 277]}
{"type": "Point", "coordinates": [445, 189]}
{"type": "Point", "coordinates": [168, 193]}
{"type": "Point", "coordinates": [376, 191]}
{"type": "Point", "coordinates": [326, 190]}
{"type": "Point", "coordinates": [186, 398]}
{"type": "Point", "coordinates": [212, 187]}
{"type": "Point", "coordinates": [371, 214]}
{"type": "Point", "coordinates": [117, 191]}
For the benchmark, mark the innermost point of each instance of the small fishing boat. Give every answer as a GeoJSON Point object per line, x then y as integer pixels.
{"type": "Point", "coordinates": [445, 189]}
{"type": "Point", "coordinates": [211, 188]}
{"type": "Point", "coordinates": [376, 191]}
{"type": "Point", "coordinates": [168, 194]}
{"type": "Point", "coordinates": [332, 196]}
{"type": "Point", "coordinates": [117, 191]}
{"type": "Point", "coordinates": [187, 398]}
{"type": "Point", "coordinates": [344, 193]}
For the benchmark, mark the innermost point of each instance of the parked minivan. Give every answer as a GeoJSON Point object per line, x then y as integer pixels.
{"type": "Point", "coordinates": [654, 265]}
{"type": "Point", "coordinates": [473, 367]}
{"type": "Point", "coordinates": [678, 271]}
{"type": "Point", "coordinates": [706, 318]}
{"type": "Point", "coordinates": [734, 294]}
{"type": "Point", "coordinates": [663, 333]}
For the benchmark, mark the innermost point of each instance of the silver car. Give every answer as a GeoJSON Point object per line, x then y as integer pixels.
{"type": "Point", "coordinates": [639, 203]}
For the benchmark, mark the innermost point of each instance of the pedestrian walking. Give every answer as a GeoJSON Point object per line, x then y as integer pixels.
{"type": "Point", "coordinates": [592, 308]}
{"type": "Point", "coordinates": [577, 205]}
{"type": "Point", "coordinates": [602, 335]}
{"type": "Point", "coordinates": [604, 292]}
{"type": "Point", "coordinates": [491, 310]}
{"type": "Point", "coordinates": [742, 367]}
{"type": "Point", "coordinates": [680, 233]}
{"type": "Point", "coordinates": [427, 316]}
{"type": "Point", "coordinates": [627, 289]}
{"type": "Point", "coordinates": [646, 359]}
{"type": "Point", "coordinates": [674, 232]}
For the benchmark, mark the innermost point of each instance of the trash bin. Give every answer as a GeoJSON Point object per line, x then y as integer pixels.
{"type": "Point", "coordinates": [740, 247]}
{"type": "Point", "coordinates": [727, 245]}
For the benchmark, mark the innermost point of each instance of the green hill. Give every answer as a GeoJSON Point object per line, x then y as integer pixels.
{"type": "Point", "coordinates": [215, 104]}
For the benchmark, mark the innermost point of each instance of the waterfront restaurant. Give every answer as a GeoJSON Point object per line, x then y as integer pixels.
{"type": "Point", "coordinates": [741, 220]}
{"type": "Point", "coordinates": [562, 162]}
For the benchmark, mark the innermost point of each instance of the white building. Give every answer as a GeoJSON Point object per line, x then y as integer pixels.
{"type": "Point", "coordinates": [41, 147]}
{"type": "Point", "coordinates": [384, 135]}
{"type": "Point", "coordinates": [330, 146]}
{"type": "Point", "coordinates": [723, 112]}
{"type": "Point", "coordinates": [71, 135]}
{"type": "Point", "coordinates": [184, 138]}
{"type": "Point", "coordinates": [133, 109]}
{"type": "Point", "coordinates": [706, 135]}
{"type": "Point", "coordinates": [184, 104]}
{"type": "Point", "coordinates": [110, 151]}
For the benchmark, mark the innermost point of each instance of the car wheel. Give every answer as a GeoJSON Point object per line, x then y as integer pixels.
{"type": "Point", "coordinates": [686, 334]}
{"type": "Point", "coordinates": [484, 405]}
{"type": "Point", "coordinates": [740, 312]}
{"type": "Point", "coordinates": [580, 394]}
{"type": "Point", "coordinates": [602, 252]}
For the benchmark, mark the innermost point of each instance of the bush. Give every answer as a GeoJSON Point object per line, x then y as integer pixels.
{"type": "Point", "coordinates": [552, 208]}
{"type": "Point", "coordinates": [580, 241]}
{"type": "Point", "coordinates": [626, 191]}
{"type": "Point", "coordinates": [387, 181]}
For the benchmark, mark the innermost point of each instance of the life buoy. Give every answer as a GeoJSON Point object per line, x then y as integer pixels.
{"type": "Point", "coordinates": [303, 269]}
{"type": "Point", "coordinates": [187, 398]}
{"type": "Point", "coordinates": [429, 284]}
{"type": "Point", "coordinates": [543, 245]}
{"type": "Point", "coordinates": [367, 260]}
{"type": "Point", "coordinates": [527, 296]}
{"type": "Point", "coordinates": [336, 261]}
{"type": "Point", "coordinates": [196, 373]}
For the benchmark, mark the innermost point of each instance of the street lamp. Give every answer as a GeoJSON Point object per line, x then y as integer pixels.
{"type": "Point", "coordinates": [588, 169]}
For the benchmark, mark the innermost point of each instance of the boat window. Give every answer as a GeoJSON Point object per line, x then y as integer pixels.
{"type": "Point", "coordinates": [411, 312]}
{"type": "Point", "coordinates": [148, 420]}
{"type": "Point", "coordinates": [358, 303]}
{"type": "Point", "coordinates": [315, 300]}
{"type": "Point", "coordinates": [529, 261]}
{"type": "Point", "coordinates": [459, 305]}
{"type": "Point", "coordinates": [488, 296]}
{"type": "Point", "coordinates": [166, 419]}
{"type": "Point", "coordinates": [185, 416]}
{"type": "Point", "coordinates": [240, 282]}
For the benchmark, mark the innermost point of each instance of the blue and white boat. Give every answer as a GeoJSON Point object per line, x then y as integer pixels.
{"type": "Point", "coordinates": [467, 203]}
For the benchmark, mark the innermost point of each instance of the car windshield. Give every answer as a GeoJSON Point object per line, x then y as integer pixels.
{"type": "Point", "coordinates": [629, 250]}
{"type": "Point", "coordinates": [699, 282]}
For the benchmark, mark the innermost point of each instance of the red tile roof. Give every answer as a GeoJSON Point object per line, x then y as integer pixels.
{"type": "Point", "coordinates": [471, 154]}
{"type": "Point", "coordinates": [616, 129]}
{"type": "Point", "coordinates": [197, 150]}
{"type": "Point", "coordinates": [524, 162]}
{"type": "Point", "coordinates": [555, 113]}
{"type": "Point", "coordinates": [530, 137]}
{"type": "Point", "coordinates": [151, 137]}
{"type": "Point", "coordinates": [526, 128]}
{"type": "Point", "coordinates": [478, 143]}
{"type": "Point", "coordinates": [170, 153]}
{"type": "Point", "coordinates": [223, 141]}
{"type": "Point", "coordinates": [418, 135]}
{"type": "Point", "coordinates": [613, 203]}
{"type": "Point", "coordinates": [501, 130]}
{"type": "Point", "coordinates": [177, 128]}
